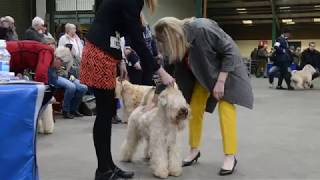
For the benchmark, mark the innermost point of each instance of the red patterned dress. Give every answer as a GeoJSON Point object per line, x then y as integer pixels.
{"type": "Point", "coordinates": [98, 69]}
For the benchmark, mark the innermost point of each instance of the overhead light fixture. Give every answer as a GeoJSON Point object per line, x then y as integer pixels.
{"type": "Point", "coordinates": [316, 19]}
{"type": "Point", "coordinates": [247, 22]}
{"type": "Point", "coordinates": [243, 12]}
{"type": "Point", "coordinates": [317, 6]}
{"type": "Point", "coordinates": [241, 9]}
{"type": "Point", "coordinates": [291, 22]}
{"type": "Point", "coordinates": [286, 20]}
{"type": "Point", "coordinates": [284, 7]}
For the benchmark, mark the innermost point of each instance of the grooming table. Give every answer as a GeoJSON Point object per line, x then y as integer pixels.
{"type": "Point", "coordinates": [20, 105]}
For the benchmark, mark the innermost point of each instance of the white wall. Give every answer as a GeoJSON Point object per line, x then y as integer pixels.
{"type": "Point", "coordinates": [41, 8]}
{"type": "Point", "coordinates": [176, 8]}
{"type": "Point", "coordinates": [246, 46]}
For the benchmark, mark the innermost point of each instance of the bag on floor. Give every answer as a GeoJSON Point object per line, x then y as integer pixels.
{"type": "Point", "coordinates": [88, 105]}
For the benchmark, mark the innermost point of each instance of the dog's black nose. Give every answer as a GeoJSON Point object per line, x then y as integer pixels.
{"type": "Point", "coordinates": [184, 111]}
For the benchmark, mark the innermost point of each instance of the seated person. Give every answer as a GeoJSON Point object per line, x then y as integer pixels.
{"type": "Point", "coordinates": [74, 90]}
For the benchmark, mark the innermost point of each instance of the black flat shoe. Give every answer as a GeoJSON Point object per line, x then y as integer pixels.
{"type": "Point", "coordinates": [224, 172]}
{"type": "Point", "coordinates": [109, 175]}
{"type": "Point", "coordinates": [290, 88]}
{"type": "Point", "coordinates": [193, 161]}
{"type": "Point", "coordinates": [280, 88]}
{"type": "Point", "coordinates": [123, 174]}
{"type": "Point", "coordinates": [67, 115]}
{"type": "Point", "coordinates": [76, 114]}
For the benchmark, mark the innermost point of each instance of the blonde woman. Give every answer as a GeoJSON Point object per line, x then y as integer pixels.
{"type": "Point", "coordinates": [101, 55]}
{"type": "Point", "coordinates": [209, 71]}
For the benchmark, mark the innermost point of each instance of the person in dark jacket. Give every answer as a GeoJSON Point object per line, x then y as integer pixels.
{"type": "Point", "coordinates": [284, 58]}
{"type": "Point", "coordinates": [9, 23]}
{"type": "Point", "coordinates": [35, 32]}
{"type": "Point", "coordinates": [311, 56]}
{"type": "Point", "coordinates": [101, 55]}
{"type": "Point", "coordinates": [209, 70]}
{"type": "Point", "coordinates": [134, 67]}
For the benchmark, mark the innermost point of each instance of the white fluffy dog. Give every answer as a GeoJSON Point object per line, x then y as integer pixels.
{"type": "Point", "coordinates": [302, 79]}
{"type": "Point", "coordinates": [46, 122]}
{"type": "Point", "coordinates": [159, 127]}
{"type": "Point", "coordinates": [131, 96]}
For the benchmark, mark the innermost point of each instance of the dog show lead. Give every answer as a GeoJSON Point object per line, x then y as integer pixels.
{"type": "Point", "coordinates": [101, 55]}
{"type": "Point", "coordinates": [207, 62]}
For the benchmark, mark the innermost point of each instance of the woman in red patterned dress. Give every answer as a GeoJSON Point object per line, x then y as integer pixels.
{"type": "Point", "coordinates": [101, 55]}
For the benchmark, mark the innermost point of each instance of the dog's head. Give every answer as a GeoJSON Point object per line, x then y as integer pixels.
{"type": "Point", "coordinates": [175, 106]}
{"type": "Point", "coordinates": [120, 86]}
{"type": "Point", "coordinates": [310, 69]}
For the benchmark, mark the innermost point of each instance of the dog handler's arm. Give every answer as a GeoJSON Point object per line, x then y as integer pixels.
{"type": "Point", "coordinates": [218, 91]}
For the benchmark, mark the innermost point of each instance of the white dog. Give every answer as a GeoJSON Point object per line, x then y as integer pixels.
{"type": "Point", "coordinates": [46, 122]}
{"type": "Point", "coordinates": [302, 79]}
{"type": "Point", "coordinates": [131, 96]}
{"type": "Point", "coordinates": [159, 127]}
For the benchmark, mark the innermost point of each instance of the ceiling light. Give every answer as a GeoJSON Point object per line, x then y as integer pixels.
{"type": "Point", "coordinates": [241, 9]}
{"type": "Point", "coordinates": [247, 22]}
{"type": "Point", "coordinates": [317, 6]}
{"type": "Point", "coordinates": [286, 20]}
{"type": "Point", "coordinates": [285, 7]}
{"type": "Point", "coordinates": [242, 12]}
{"type": "Point", "coordinates": [291, 22]}
{"type": "Point", "coordinates": [316, 19]}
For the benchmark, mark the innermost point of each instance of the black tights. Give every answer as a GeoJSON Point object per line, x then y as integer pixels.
{"type": "Point", "coordinates": [105, 105]}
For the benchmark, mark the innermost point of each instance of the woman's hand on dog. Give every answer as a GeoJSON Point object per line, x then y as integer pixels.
{"type": "Point", "coordinates": [166, 78]}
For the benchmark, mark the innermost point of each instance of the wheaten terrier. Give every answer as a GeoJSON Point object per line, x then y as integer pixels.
{"type": "Point", "coordinates": [302, 79]}
{"type": "Point", "coordinates": [46, 122]}
{"type": "Point", "coordinates": [160, 128]}
{"type": "Point", "coordinates": [131, 95]}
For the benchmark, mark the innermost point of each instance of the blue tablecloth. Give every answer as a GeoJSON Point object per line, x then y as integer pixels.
{"type": "Point", "coordinates": [19, 109]}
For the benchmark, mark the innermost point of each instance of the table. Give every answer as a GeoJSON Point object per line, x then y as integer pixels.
{"type": "Point", "coordinates": [19, 109]}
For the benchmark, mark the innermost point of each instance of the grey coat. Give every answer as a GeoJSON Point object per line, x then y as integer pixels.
{"type": "Point", "coordinates": [212, 51]}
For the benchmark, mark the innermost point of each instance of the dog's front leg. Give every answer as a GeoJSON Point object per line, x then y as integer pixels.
{"type": "Point", "coordinates": [147, 150]}
{"type": "Point", "coordinates": [48, 122]}
{"type": "Point", "coordinates": [131, 142]}
{"type": "Point", "coordinates": [175, 160]}
{"type": "Point", "coordinates": [159, 156]}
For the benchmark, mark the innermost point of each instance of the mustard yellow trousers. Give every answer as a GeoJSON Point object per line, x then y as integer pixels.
{"type": "Point", "coordinates": [227, 116]}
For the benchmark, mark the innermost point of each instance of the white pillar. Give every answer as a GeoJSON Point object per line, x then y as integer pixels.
{"type": "Point", "coordinates": [41, 8]}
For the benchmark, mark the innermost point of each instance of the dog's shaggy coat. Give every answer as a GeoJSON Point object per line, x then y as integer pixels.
{"type": "Point", "coordinates": [159, 127]}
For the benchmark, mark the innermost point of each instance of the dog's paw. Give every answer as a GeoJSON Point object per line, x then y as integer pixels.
{"type": "Point", "coordinates": [48, 131]}
{"type": "Point", "coordinates": [176, 172]}
{"type": "Point", "coordinates": [161, 173]}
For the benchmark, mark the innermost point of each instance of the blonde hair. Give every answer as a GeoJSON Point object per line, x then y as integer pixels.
{"type": "Point", "coordinates": [143, 19]}
{"type": "Point", "coordinates": [152, 5]}
{"type": "Point", "coordinates": [171, 38]}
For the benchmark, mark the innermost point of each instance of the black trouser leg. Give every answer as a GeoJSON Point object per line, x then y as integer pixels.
{"type": "Point", "coordinates": [105, 105]}
{"type": "Point", "coordinates": [280, 80]}
{"type": "Point", "coordinates": [135, 75]}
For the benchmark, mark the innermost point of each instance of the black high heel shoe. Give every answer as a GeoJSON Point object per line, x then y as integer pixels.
{"type": "Point", "coordinates": [193, 161]}
{"type": "Point", "coordinates": [224, 172]}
